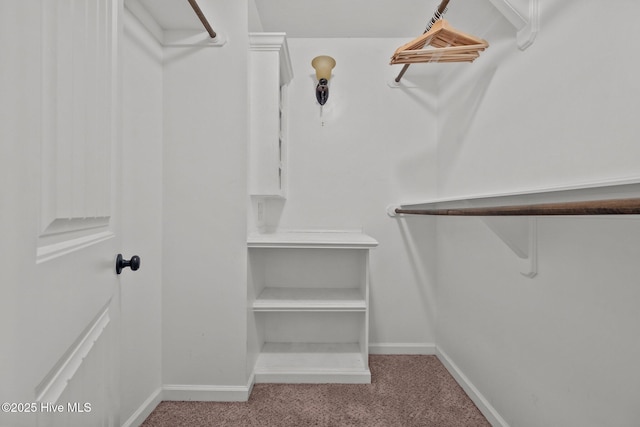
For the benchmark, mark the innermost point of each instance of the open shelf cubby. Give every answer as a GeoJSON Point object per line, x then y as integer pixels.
{"type": "Point", "coordinates": [308, 301]}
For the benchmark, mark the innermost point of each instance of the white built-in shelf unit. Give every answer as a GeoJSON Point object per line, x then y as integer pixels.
{"type": "Point", "coordinates": [309, 302]}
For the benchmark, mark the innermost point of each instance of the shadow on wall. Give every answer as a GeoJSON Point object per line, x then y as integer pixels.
{"type": "Point", "coordinates": [463, 89]}
{"type": "Point", "coordinates": [419, 236]}
{"type": "Point", "coordinates": [420, 88]}
{"type": "Point", "coordinates": [464, 104]}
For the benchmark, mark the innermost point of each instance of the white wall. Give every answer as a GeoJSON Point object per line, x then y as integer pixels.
{"type": "Point", "coordinates": [371, 147]}
{"type": "Point", "coordinates": [20, 109]}
{"type": "Point", "coordinates": [562, 348]}
{"type": "Point", "coordinates": [204, 206]}
{"type": "Point", "coordinates": [561, 112]}
{"type": "Point", "coordinates": [141, 215]}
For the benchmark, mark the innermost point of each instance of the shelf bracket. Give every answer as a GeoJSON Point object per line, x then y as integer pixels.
{"type": "Point", "coordinates": [520, 234]}
{"type": "Point", "coordinates": [524, 15]}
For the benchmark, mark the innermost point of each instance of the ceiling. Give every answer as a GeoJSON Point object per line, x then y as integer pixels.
{"type": "Point", "coordinates": [333, 18]}
{"type": "Point", "coordinates": [364, 18]}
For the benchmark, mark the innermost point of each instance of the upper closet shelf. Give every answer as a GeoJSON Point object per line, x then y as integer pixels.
{"type": "Point", "coordinates": [175, 24]}
{"type": "Point", "coordinates": [615, 197]}
{"type": "Point", "coordinates": [312, 239]}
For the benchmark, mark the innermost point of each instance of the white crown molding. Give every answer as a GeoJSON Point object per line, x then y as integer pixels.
{"type": "Point", "coordinates": [274, 42]}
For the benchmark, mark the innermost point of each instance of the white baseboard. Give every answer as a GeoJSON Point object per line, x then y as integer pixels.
{"type": "Point", "coordinates": [192, 393]}
{"type": "Point", "coordinates": [314, 377]}
{"type": "Point", "coordinates": [474, 394]}
{"type": "Point", "coordinates": [241, 393]}
{"type": "Point", "coordinates": [204, 393]}
{"type": "Point", "coordinates": [402, 348]}
{"type": "Point", "coordinates": [144, 410]}
{"type": "Point", "coordinates": [208, 393]}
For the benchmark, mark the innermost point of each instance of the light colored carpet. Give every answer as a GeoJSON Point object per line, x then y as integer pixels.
{"type": "Point", "coordinates": [405, 391]}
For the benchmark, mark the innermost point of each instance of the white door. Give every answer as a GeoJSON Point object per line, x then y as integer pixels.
{"type": "Point", "coordinates": [60, 166]}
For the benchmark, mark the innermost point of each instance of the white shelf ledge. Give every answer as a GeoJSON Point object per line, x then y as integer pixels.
{"type": "Point", "coordinates": [312, 239]}
{"type": "Point", "coordinates": [310, 299]}
{"type": "Point", "coordinates": [311, 363]}
{"type": "Point", "coordinates": [520, 232]}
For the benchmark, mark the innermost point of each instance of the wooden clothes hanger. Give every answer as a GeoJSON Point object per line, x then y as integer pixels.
{"type": "Point", "coordinates": [447, 45]}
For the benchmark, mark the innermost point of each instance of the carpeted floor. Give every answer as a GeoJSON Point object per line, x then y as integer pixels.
{"type": "Point", "coordinates": [405, 391]}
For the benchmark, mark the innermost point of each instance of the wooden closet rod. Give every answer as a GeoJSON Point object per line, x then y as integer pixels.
{"type": "Point", "coordinates": [203, 18]}
{"type": "Point", "coordinates": [436, 16]}
{"type": "Point", "coordinates": [597, 207]}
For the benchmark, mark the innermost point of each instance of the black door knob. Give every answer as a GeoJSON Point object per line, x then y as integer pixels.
{"type": "Point", "coordinates": [133, 263]}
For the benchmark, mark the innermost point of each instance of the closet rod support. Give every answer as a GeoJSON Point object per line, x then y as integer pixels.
{"type": "Point", "coordinates": [203, 19]}
{"type": "Point", "coordinates": [532, 258]}
{"type": "Point", "coordinates": [436, 16]}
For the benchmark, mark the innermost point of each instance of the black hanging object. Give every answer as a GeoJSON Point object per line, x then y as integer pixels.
{"type": "Point", "coordinates": [322, 91]}
{"type": "Point", "coordinates": [133, 263]}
